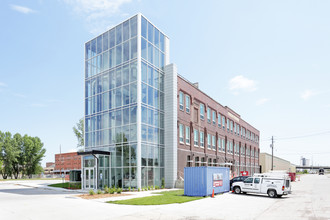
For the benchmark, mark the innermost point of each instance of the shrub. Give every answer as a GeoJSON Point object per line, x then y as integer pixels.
{"type": "Point", "coordinates": [99, 191]}
{"type": "Point", "coordinates": [139, 189]}
{"type": "Point", "coordinates": [129, 188]}
{"type": "Point", "coordinates": [91, 192]}
{"type": "Point", "coordinates": [163, 183]}
{"type": "Point", "coordinates": [106, 190]}
{"type": "Point", "coordinates": [156, 187]}
{"type": "Point", "coordinates": [148, 187]}
{"type": "Point", "coordinates": [133, 189]}
{"type": "Point", "coordinates": [111, 190]}
{"type": "Point", "coordinates": [119, 190]}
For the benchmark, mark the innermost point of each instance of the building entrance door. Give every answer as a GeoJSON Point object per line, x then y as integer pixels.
{"type": "Point", "coordinates": [89, 178]}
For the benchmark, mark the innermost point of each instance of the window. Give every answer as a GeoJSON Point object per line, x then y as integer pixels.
{"type": "Point", "coordinates": [256, 180]}
{"type": "Point", "coordinates": [235, 127]}
{"type": "Point", "coordinates": [243, 151]}
{"type": "Point", "coordinates": [202, 111]}
{"type": "Point", "coordinates": [227, 124]}
{"type": "Point", "coordinates": [231, 126]}
{"type": "Point", "coordinates": [210, 162]}
{"type": "Point", "coordinates": [196, 161]}
{"type": "Point", "coordinates": [195, 137]}
{"type": "Point", "coordinates": [223, 122]}
{"type": "Point", "coordinates": [201, 138]}
{"type": "Point", "coordinates": [181, 133]}
{"type": "Point", "coordinates": [213, 143]}
{"type": "Point", "coordinates": [219, 120]}
{"type": "Point", "coordinates": [223, 145]}
{"type": "Point", "coordinates": [187, 135]}
{"type": "Point", "coordinates": [181, 100]}
{"type": "Point", "coordinates": [248, 180]}
{"type": "Point", "coordinates": [187, 103]}
{"type": "Point", "coordinates": [219, 144]}
{"type": "Point", "coordinates": [214, 162]}
{"type": "Point", "coordinates": [231, 147]}
{"type": "Point", "coordinates": [203, 161]}
{"type": "Point", "coordinates": [188, 161]}
{"type": "Point", "coordinates": [213, 117]}
{"type": "Point", "coordinates": [252, 154]}
{"type": "Point", "coordinates": [208, 115]}
{"type": "Point", "coordinates": [208, 141]}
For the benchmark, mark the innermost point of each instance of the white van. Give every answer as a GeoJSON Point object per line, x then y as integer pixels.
{"type": "Point", "coordinates": [273, 184]}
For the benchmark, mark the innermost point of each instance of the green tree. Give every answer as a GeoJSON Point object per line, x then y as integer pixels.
{"type": "Point", "coordinates": [9, 155]}
{"type": "Point", "coordinates": [79, 131]}
{"type": "Point", "coordinates": [33, 152]}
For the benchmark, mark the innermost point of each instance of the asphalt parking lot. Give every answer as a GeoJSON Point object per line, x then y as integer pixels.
{"type": "Point", "coordinates": [33, 200]}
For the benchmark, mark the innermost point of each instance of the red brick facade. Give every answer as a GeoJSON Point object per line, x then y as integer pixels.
{"type": "Point", "coordinates": [190, 154]}
{"type": "Point", "coordinates": [67, 162]}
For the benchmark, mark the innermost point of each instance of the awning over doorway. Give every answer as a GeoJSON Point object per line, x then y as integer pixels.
{"type": "Point", "coordinates": [94, 152]}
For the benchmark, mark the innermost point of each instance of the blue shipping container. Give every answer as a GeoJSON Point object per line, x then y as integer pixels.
{"type": "Point", "coordinates": [200, 181]}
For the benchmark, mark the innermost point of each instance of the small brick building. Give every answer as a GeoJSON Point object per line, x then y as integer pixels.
{"type": "Point", "coordinates": [67, 161]}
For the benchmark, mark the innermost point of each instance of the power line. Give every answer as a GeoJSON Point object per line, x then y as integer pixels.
{"type": "Point", "coordinates": [299, 137]}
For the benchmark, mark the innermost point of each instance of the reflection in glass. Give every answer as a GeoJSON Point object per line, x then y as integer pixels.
{"type": "Point", "coordinates": [99, 44]}
{"type": "Point", "coordinates": [133, 94]}
{"type": "Point", "coordinates": [133, 26]}
{"type": "Point", "coordinates": [144, 24]}
{"type": "Point", "coordinates": [112, 36]}
{"type": "Point", "coordinates": [133, 47]}
{"type": "Point", "coordinates": [118, 54]}
{"type": "Point", "coordinates": [133, 114]}
{"type": "Point", "coordinates": [144, 93]}
{"type": "Point", "coordinates": [119, 34]}
{"type": "Point", "coordinates": [143, 48]}
{"type": "Point", "coordinates": [125, 30]}
{"type": "Point", "coordinates": [93, 47]}
{"type": "Point", "coordinates": [144, 74]}
{"type": "Point", "coordinates": [126, 51]}
{"type": "Point", "coordinates": [150, 53]}
{"type": "Point", "coordinates": [150, 96]}
{"type": "Point", "coordinates": [150, 33]}
{"type": "Point", "coordinates": [105, 41]}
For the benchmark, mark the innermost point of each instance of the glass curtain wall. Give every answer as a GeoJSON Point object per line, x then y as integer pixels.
{"type": "Point", "coordinates": [152, 106]}
{"type": "Point", "coordinates": [111, 102]}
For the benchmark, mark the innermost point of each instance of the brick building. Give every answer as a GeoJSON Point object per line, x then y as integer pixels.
{"type": "Point", "coordinates": [210, 134]}
{"type": "Point", "coordinates": [67, 161]}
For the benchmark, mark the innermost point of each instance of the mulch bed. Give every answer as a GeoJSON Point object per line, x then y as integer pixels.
{"type": "Point", "coordinates": [100, 196]}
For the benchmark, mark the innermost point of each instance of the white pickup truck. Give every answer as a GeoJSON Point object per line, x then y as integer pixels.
{"type": "Point", "coordinates": [275, 185]}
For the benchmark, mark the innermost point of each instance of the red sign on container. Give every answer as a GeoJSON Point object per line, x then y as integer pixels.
{"type": "Point", "coordinates": [245, 173]}
{"type": "Point", "coordinates": [217, 183]}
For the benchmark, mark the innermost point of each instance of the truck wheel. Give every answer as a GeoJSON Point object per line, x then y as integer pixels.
{"type": "Point", "coordinates": [237, 189]}
{"type": "Point", "coordinates": [271, 193]}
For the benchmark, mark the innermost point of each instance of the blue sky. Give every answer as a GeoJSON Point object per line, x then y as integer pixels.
{"type": "Point", "coordinates": [267, 60]}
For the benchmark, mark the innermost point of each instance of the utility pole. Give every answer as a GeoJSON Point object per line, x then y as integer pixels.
{"type": "Point", "coordinates": [272, 146]}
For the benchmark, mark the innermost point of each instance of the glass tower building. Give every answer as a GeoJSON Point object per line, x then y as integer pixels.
{"type": "Point", "coordinates": [124, 106]}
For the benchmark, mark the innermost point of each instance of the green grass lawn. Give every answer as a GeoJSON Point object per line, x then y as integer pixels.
{"type": "Point", "coordinates": [167, 197]}
{"type": "Point", "coordinates": [66, 185]}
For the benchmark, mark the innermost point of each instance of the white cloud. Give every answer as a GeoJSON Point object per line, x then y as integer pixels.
{"type": "Point", "coordinates": [2, 84]}
{"type": "Point", "coordinates": [19, 95]}
{"type": "Point", "coordinates": [241, 83]}
{"type": "Point", "coordinates": [308, 93]}
{"type": "Point", "coordinates": [96, 12]}
{"type": "Point", "coordinates": [22, 9]}
{"type": "Point", "coordinates": [262, 101]}
{"type": "Point", "coordinates": [38, 105]}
